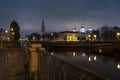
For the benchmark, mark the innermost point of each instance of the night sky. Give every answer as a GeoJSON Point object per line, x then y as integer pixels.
{"type": "Point", "coordinates": [59, 15]}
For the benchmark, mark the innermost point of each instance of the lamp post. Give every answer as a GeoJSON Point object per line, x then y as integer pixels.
{"type": "Point", "coordinates": [6, 35]}
{"type": "Point", "coordinates": [92, 37]}
{"type": "Point", "coordinates": [95, 36]}
{"type": "Point", "coordinates": [12, 33]}
{"type": "Point", "coordinates": [89, 37]}
{"type": "Point", "coordinates": [118, 35]}
{"type": "Point", "coordinates": [51, 36]}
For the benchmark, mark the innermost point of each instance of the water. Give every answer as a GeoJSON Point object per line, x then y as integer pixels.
{"type": "Point", "coordinates": [105, 62]}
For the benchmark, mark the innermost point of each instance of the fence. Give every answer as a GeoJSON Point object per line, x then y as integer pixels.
{"type": "Point", "coordinates": [51, 67]}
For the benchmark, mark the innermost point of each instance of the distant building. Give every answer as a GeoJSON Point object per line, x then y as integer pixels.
{"type": "Point", "coordinates": [43, 27]}
{"type": "Point", "coordinates": [1, 33]}
{"type": "Point", "coordinates": [82, 29]}
{"type": "Point", "coordinates": [74, 29]}
{"type": "Point", "coordinates": [71, 36]}
{"type": "Point", "coordinates": [90, 29]}
{"type": "Point", "coordinates": [4, 35]}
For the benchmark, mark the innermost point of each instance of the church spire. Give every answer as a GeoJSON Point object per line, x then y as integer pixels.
{"type": "Point", "coordinates": [43, 27]}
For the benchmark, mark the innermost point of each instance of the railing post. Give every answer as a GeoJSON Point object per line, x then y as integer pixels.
{"type": "Point", "coordinates": [33, 63]}
{"type": "Point", "coordinates": [34, 60]}
{"type": "Point", "coordinates": [64, 72]}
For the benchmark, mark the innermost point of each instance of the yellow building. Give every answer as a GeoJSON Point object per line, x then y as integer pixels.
{"type": "Point", "coordinates": [71, 37]}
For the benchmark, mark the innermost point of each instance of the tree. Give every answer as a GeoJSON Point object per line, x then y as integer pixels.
{"type": "Point", "coordinates": [116, 28]}
{"type": "Point", "coordinates": [35, 35]}
{"type": "Point", "coordinates": [108, 33]}
{"type": "Point", "coordinates": [15, 30]}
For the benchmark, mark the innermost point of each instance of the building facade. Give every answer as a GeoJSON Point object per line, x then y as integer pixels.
{"type": "Point", "coordinates": [71, 36]}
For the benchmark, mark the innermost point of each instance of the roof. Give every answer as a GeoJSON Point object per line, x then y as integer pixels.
{"type": "Point", "coordinates": [68, 32]}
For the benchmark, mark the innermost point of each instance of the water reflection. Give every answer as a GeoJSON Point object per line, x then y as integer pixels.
{"type": "Point", "coordinates": [118, 66]}
{"type": "Point", "coordinates": [89, 58]}
{"type": "Point", "coordinates": [52, 53]}
{"type": "Point", "coordinates": [83, 54]}
{"type": "Point", "coordinates": [74, 54]}
{"type": "Point", "coordinates": [92, 57]}
{"type": "Point", "coordinates": [100, 50]}
{"type": "Point", "coordinates": [102, 61]}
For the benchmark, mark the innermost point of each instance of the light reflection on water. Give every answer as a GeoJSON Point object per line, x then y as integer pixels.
{"type": "Point", "coordinates": [118, 66]}
{"type": "Point", "coordinates": [103, 61]}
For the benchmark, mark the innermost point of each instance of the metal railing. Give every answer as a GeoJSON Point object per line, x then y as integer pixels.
{"type": "Point", "coordinates": [51, 67]}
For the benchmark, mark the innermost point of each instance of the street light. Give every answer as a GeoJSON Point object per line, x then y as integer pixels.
{"type": "Point", "coordinates": [118, 35]}
{"type": "Point", "coordinates": [89, 37]}
{"type": "Point", "coordinates": [6, 31]}
{"type": "Point", "coordinates": [11, 29]}
{"type": "Point", "coordinates": [12, 33]}
{"type": "Point", "coordinates": [6, 35]}
{"type": "Point", "coordinates": [95, 36]}
{"type": "Point", "coordinates": [118, 66]}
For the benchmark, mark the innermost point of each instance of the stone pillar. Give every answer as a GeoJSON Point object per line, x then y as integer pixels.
{"type": "Point", "coordinates": [33, 63]}
{"type": "Point", "coordinates": [34, 60]}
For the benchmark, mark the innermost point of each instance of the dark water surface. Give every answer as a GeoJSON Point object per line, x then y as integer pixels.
{"type": "Point", "coordinates": [105, 62]}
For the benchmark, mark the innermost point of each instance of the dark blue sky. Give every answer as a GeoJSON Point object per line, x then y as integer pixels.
{"type": "Point", "coordinates": [59, 14]}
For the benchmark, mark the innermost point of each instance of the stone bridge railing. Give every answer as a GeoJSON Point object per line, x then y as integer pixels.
{"type": "Point", "coordinates": [10, 44]}
{"type": "Point", "coordinates": [44, 65]}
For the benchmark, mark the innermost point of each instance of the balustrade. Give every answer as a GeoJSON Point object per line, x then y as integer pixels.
{"type": "Point", "coordinates": [48, 66]}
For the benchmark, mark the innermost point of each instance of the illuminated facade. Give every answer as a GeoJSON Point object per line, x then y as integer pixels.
{"type": "Point", "coordinates": [4, 35]}
{"type": "Point", "coordinates": [92, 37]}
{"type": "Point", "coordinates": [71, 37]}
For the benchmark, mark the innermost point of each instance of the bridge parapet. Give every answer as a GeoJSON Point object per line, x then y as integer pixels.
{"type": "Point", "coordinates": [48, 66]}
{"type": "Point", "coordinates": [51, 67]}
{"type": "Point", "coordinates": [32, 51]}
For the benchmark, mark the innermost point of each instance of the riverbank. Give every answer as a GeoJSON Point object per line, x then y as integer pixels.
{"type": "Point", "coordinates": [64, 44]}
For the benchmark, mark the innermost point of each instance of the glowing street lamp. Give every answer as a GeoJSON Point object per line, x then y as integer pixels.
{"type": "Point", "coordinates": [51, 34]}
{"type": "Point", "coordinates": [89, 37]}
{"type": "Point", "coordinates": [6, 31]}
{"type": "Point", "coordinates": [118, 66]}
{"type": "Point", "coordinates": [118, 35]}
{"type": "Point", "coordinates": [89, 58]}
{"type": "Point", "coordinates": [11, 29]}
{"type": "Point", "coordinates": [95, 36]}
{"type": "Point", "coordinates": [6, 35]}
{"type": "Point", "coordinates": [12, 33]}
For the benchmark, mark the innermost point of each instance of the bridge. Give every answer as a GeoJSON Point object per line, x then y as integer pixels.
{"type": "Point", "coordinates": [48, 66]}
{"type": "Point", "coordinates": [44, 65]}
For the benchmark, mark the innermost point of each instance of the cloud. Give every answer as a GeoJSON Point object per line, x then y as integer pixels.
{"type": "Point", "coordinates": [58, 14]}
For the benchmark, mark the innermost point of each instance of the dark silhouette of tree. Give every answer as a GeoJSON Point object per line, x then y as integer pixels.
{"type": "Point", "coordinates": [108, 33]}
{"type": "Point", "coordinates": [15, 30]}
{"type": "Point", "coordinates": [35, 35]}
{"type": "Point", "coordinates": [116, 28]}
